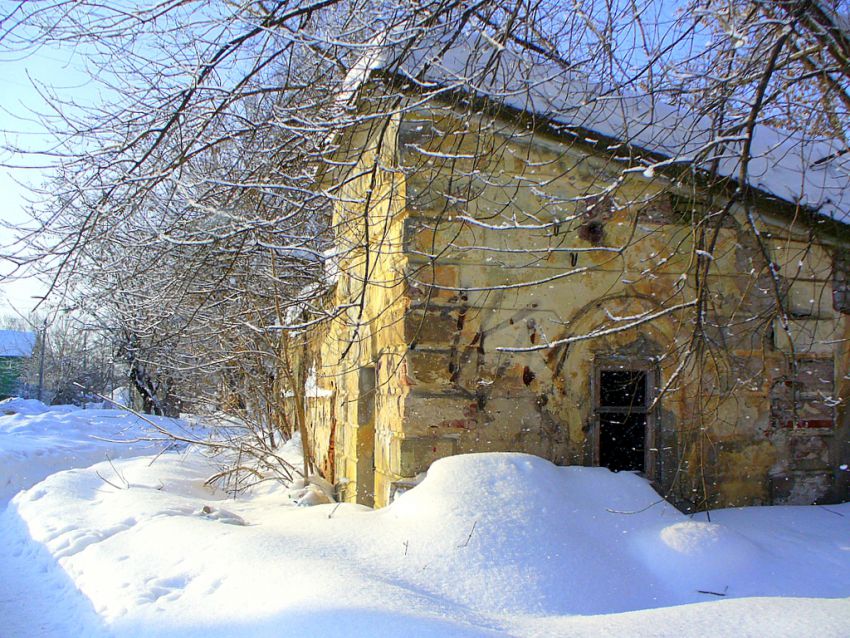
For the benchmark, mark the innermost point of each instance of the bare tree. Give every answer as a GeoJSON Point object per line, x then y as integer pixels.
{"type": "Point", "coordinates": [191, 210]}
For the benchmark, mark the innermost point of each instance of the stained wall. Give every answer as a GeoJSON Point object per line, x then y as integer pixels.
{"type": "Point", "coordinates": [490, 240]}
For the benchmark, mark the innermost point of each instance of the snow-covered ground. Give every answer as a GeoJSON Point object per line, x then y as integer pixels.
{"type": "Point", "coordinates": [487, 545]}
{"type": "Point", "coordinates": [37, 440]}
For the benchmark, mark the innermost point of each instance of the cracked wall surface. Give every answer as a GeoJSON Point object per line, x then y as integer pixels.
{"type": "Point", "coordinates": [463, 240]}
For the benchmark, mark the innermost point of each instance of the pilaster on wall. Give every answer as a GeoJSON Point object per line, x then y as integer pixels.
{"type": "Point", "coordinates": [367, 333]}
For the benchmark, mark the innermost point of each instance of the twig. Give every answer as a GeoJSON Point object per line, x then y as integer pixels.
{"type": "Point", "coordinates": [643, 509]}
{"type": "Point", "coordinates": [106, 480]}
{"type": "Point", "coordinates": [159, 428]}
{"type": "Point", "coordinates": [333, 511]}
{"type": "Point", "coordinates": [161, 452]}
{"type": "Point", "coordinates": [229, 472]}
{"type": "Point", "coordinates": [714, 593]}
{"type": "Point", "coordinates": [117, 473]}
{"type": "Point", "coordinates": [468, 538]}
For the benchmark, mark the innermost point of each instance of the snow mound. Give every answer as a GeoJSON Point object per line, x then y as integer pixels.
{"type": "Point", "coordinates": [307, 494]}
{"type": "Point", "coordinates": [486, 545]}
{"type": "Point", "coordinates": [522, 534]}
{"type": "Point", "coordinates": [698, 554]}
{"type": "Point", "coordinates": [514, 529]}
{"type": "Point", "coordinates": [16, 405]}
{"type": "Point", "coordinates": [223, 516]}
{"type": "Point", "coordinates": [529, 483]}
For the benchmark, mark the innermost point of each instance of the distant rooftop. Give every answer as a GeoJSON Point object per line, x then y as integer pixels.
{"type": "Point", "coordinates": [16, 343]}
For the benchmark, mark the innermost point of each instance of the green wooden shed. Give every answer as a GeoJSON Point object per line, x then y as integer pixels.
{"type": "Point", "coordinates": [16, 347]}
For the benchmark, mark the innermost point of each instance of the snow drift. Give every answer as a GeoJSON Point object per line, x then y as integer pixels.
{"type": "Point", "coordinates": [580, 540]}
{"type": "Point", "coordinates": [37, 440]}
{"type": "Point", "coordinates": [487, 544]}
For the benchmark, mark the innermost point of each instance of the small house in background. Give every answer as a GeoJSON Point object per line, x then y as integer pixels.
{"type": "Point", "coordinates": [16, 349]}
{"type": "Point", "coordinates": [522, 267]}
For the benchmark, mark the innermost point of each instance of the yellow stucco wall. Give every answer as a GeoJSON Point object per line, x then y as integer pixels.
{"type": "Point", "coordinates": [463, 209]}
{"type": "Point", "coordinates": [367, 335]}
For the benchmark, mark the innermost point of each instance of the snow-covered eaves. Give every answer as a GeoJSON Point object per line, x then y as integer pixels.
{"type": "Point", "coordinates": [791, 166]}
{"type": "Point", "coordinates": [301, 304]}
{"type": "Point", "coordinates": [16, 343]}
{"type": "Point", "coordinates": [330, 266]}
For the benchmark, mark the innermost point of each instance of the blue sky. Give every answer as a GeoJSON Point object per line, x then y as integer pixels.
{"type": "Point", "coordinates": [19, 101]}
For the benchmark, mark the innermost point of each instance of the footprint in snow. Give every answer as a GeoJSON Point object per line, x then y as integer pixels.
{"type": "Point", "coordinates": [163, 588]}
{"type": "Point", "coordinates": [213, 586]}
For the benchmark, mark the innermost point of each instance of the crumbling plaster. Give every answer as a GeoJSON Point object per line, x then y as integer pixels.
{"type": "Point", "coordinates": [434, 299]}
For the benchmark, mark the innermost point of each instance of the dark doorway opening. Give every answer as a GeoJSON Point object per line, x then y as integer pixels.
{"type": "Point", "coordinates": [622, 412]}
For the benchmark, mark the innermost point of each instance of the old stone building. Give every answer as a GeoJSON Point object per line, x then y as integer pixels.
{"type": "Point", "coordinates": [519, 268]}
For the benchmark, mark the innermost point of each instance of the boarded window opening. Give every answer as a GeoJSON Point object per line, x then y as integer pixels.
{"type": "Point", "coordinates": [807, 402]}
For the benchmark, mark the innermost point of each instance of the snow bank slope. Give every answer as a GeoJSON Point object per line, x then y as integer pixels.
{"type": "Point", "coordinates": [557, 540]}
{"type": "Point", "coordinates": [544, 540]}
{"type": "Point", "coordinates": [489, 544]}
{"type": "Point", "coordinates": [37, 440]}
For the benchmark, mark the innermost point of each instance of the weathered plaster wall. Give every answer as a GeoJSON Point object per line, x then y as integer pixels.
{"type": "Point", "coordinates": [464, 214]}
{"type": "Point", "coordinates": [491, 208]}
{"type": "Point", "coordinates": [360, 359]}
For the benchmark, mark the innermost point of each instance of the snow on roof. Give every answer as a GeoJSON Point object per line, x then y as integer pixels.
{"type": "Point", "coordinates": [330, 266]}
{"type": "Point", "coordinates": [16, 343]}
{"type": "Point", "coordinates": [293, 315]}
{"type": "Point", "coordinates": [791, 166]}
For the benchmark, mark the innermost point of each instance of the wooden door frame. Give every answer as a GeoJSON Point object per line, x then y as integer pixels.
{"type": "Point", "coordinates": [647, 365]}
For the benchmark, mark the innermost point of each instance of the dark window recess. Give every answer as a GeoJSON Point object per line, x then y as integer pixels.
{"type": "Point", "coordinates": [622, 414]}
{"type": "Point", "coordinates": [622, 388]}
{"type": "Point", "coordinates": [366, 383]}
{"type": "Point", "coordinates": [622, 440]}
